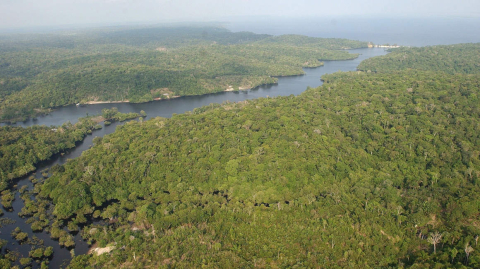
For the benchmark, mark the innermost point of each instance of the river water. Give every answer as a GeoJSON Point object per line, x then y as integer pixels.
{"type": "Point", "coordinates": [164, 108]}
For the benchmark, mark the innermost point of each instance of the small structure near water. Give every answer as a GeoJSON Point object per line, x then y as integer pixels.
{"type": "Point", "coordinates": [371, 45]}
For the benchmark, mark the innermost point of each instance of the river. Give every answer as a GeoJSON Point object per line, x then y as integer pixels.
{"type": "Point", "coordinates": [164, 108]}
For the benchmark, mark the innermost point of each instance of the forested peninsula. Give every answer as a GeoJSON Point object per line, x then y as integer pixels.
{"type": "Point", "coordinates": [22, 148]}
{"type": "Point", "coordinates": [451, 59]}
{"type": "Point", "coordinates": [41, 72]}
{"type": "Point", "coordinates": [372, 169]}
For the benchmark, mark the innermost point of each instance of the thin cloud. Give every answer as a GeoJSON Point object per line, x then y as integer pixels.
{"type": "Point", "coordinates": [22, 13]}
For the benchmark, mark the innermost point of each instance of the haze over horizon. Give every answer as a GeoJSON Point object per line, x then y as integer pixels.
{"type": "Point", "coordinates": [29, 13]}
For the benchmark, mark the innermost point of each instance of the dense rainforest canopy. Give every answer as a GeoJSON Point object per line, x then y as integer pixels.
{"type": "Point", "coordinates": [145, 64]}
{"type": "Point", "coordinates": [22, 148]}
{"type": "Point", "coordinates": [372, 169]}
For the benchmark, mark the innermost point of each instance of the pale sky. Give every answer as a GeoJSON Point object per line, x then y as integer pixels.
{"type": "Point", "coordinates": [28, 13]}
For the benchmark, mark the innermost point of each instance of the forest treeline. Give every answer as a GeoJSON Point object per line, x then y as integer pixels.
{"type": "Point", "coordinates": [145, 64]}
{"type": "Point", "coordinates": [452, 59]}
{"type": "Point", "coordinates": [370, 170]}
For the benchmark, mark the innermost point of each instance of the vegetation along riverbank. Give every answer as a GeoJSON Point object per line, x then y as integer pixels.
{"type": "Point", "coordinates": [48, 71]}
{"type": "Point", "coordinates": [372, 169]}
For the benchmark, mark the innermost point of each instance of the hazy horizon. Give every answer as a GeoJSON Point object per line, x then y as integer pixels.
{"type": "Point", "coordinates": [54, 13]}
{"type": "Point", "coordinates": [407, 31]}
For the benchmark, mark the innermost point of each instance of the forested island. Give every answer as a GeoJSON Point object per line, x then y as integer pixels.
{"type": "Point", "coordinates": [376, 168]}
{"type": "Point", "coordinates": [41, 72]}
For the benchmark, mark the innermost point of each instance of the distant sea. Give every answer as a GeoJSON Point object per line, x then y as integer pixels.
{"type": "Point", "coordinates": [402, 31]}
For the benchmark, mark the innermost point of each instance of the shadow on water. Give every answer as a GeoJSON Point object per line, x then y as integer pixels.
{"type": "Point", "coordinates": [166, 108]}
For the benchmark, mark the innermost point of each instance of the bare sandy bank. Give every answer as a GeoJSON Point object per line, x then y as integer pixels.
{"type": "Point", "coordinates": [105, 102]}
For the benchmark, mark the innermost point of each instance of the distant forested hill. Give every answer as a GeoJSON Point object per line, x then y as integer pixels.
{"type": "Point", "coordinates": [370, 170]}
{"type": "Point", "coordinates": [451, 59]}
{"type": "Point", "coordinates": [143, 64]}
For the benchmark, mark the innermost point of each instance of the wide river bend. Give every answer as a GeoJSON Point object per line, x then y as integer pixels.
{"type": "Point", "coordinates": [164, 108]}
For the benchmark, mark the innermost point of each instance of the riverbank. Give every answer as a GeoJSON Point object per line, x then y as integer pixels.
{"type": "Point", "coordinates": [127, 101]}
{"type": "Point", "coordinates": [283, 86]}
{"type": "Point", "coordinates": [231, 89]}
{"type": "Point", "coordinates": [286, 86]}
{"type": "Point", "coordinates": [104, 102]}
{"type": "Point", "coordinates": [168, 97]}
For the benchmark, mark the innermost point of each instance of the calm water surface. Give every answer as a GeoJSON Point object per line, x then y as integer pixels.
{"type": "Point", "coordinates": [165, 108]}
{"type": "Point", "coordinates": [286, 86]}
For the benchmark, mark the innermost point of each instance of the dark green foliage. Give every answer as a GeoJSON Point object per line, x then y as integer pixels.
{"type": "Point", "coordinates": [41, 253]}
{"type": "Point", "coordinates": [7, 197]}
{"type": "Point", "coordinates": [36, 210]}
{"type": "Point", "coordinates": [25, 261]}
{"type": "Point", "coordinates": [356, 173]}
{"type": "Point", "coordinates": [5, 263]}
{"type": "Point", "coordinates": [19, 235]}
{"type": "Point", "coordinates": [22, 148]}
{"type": "Point", "coordinates": [113, 114]}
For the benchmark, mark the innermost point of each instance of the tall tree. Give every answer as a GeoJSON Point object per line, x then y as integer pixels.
{"type": "Point", "coordinates": [434, 239]}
